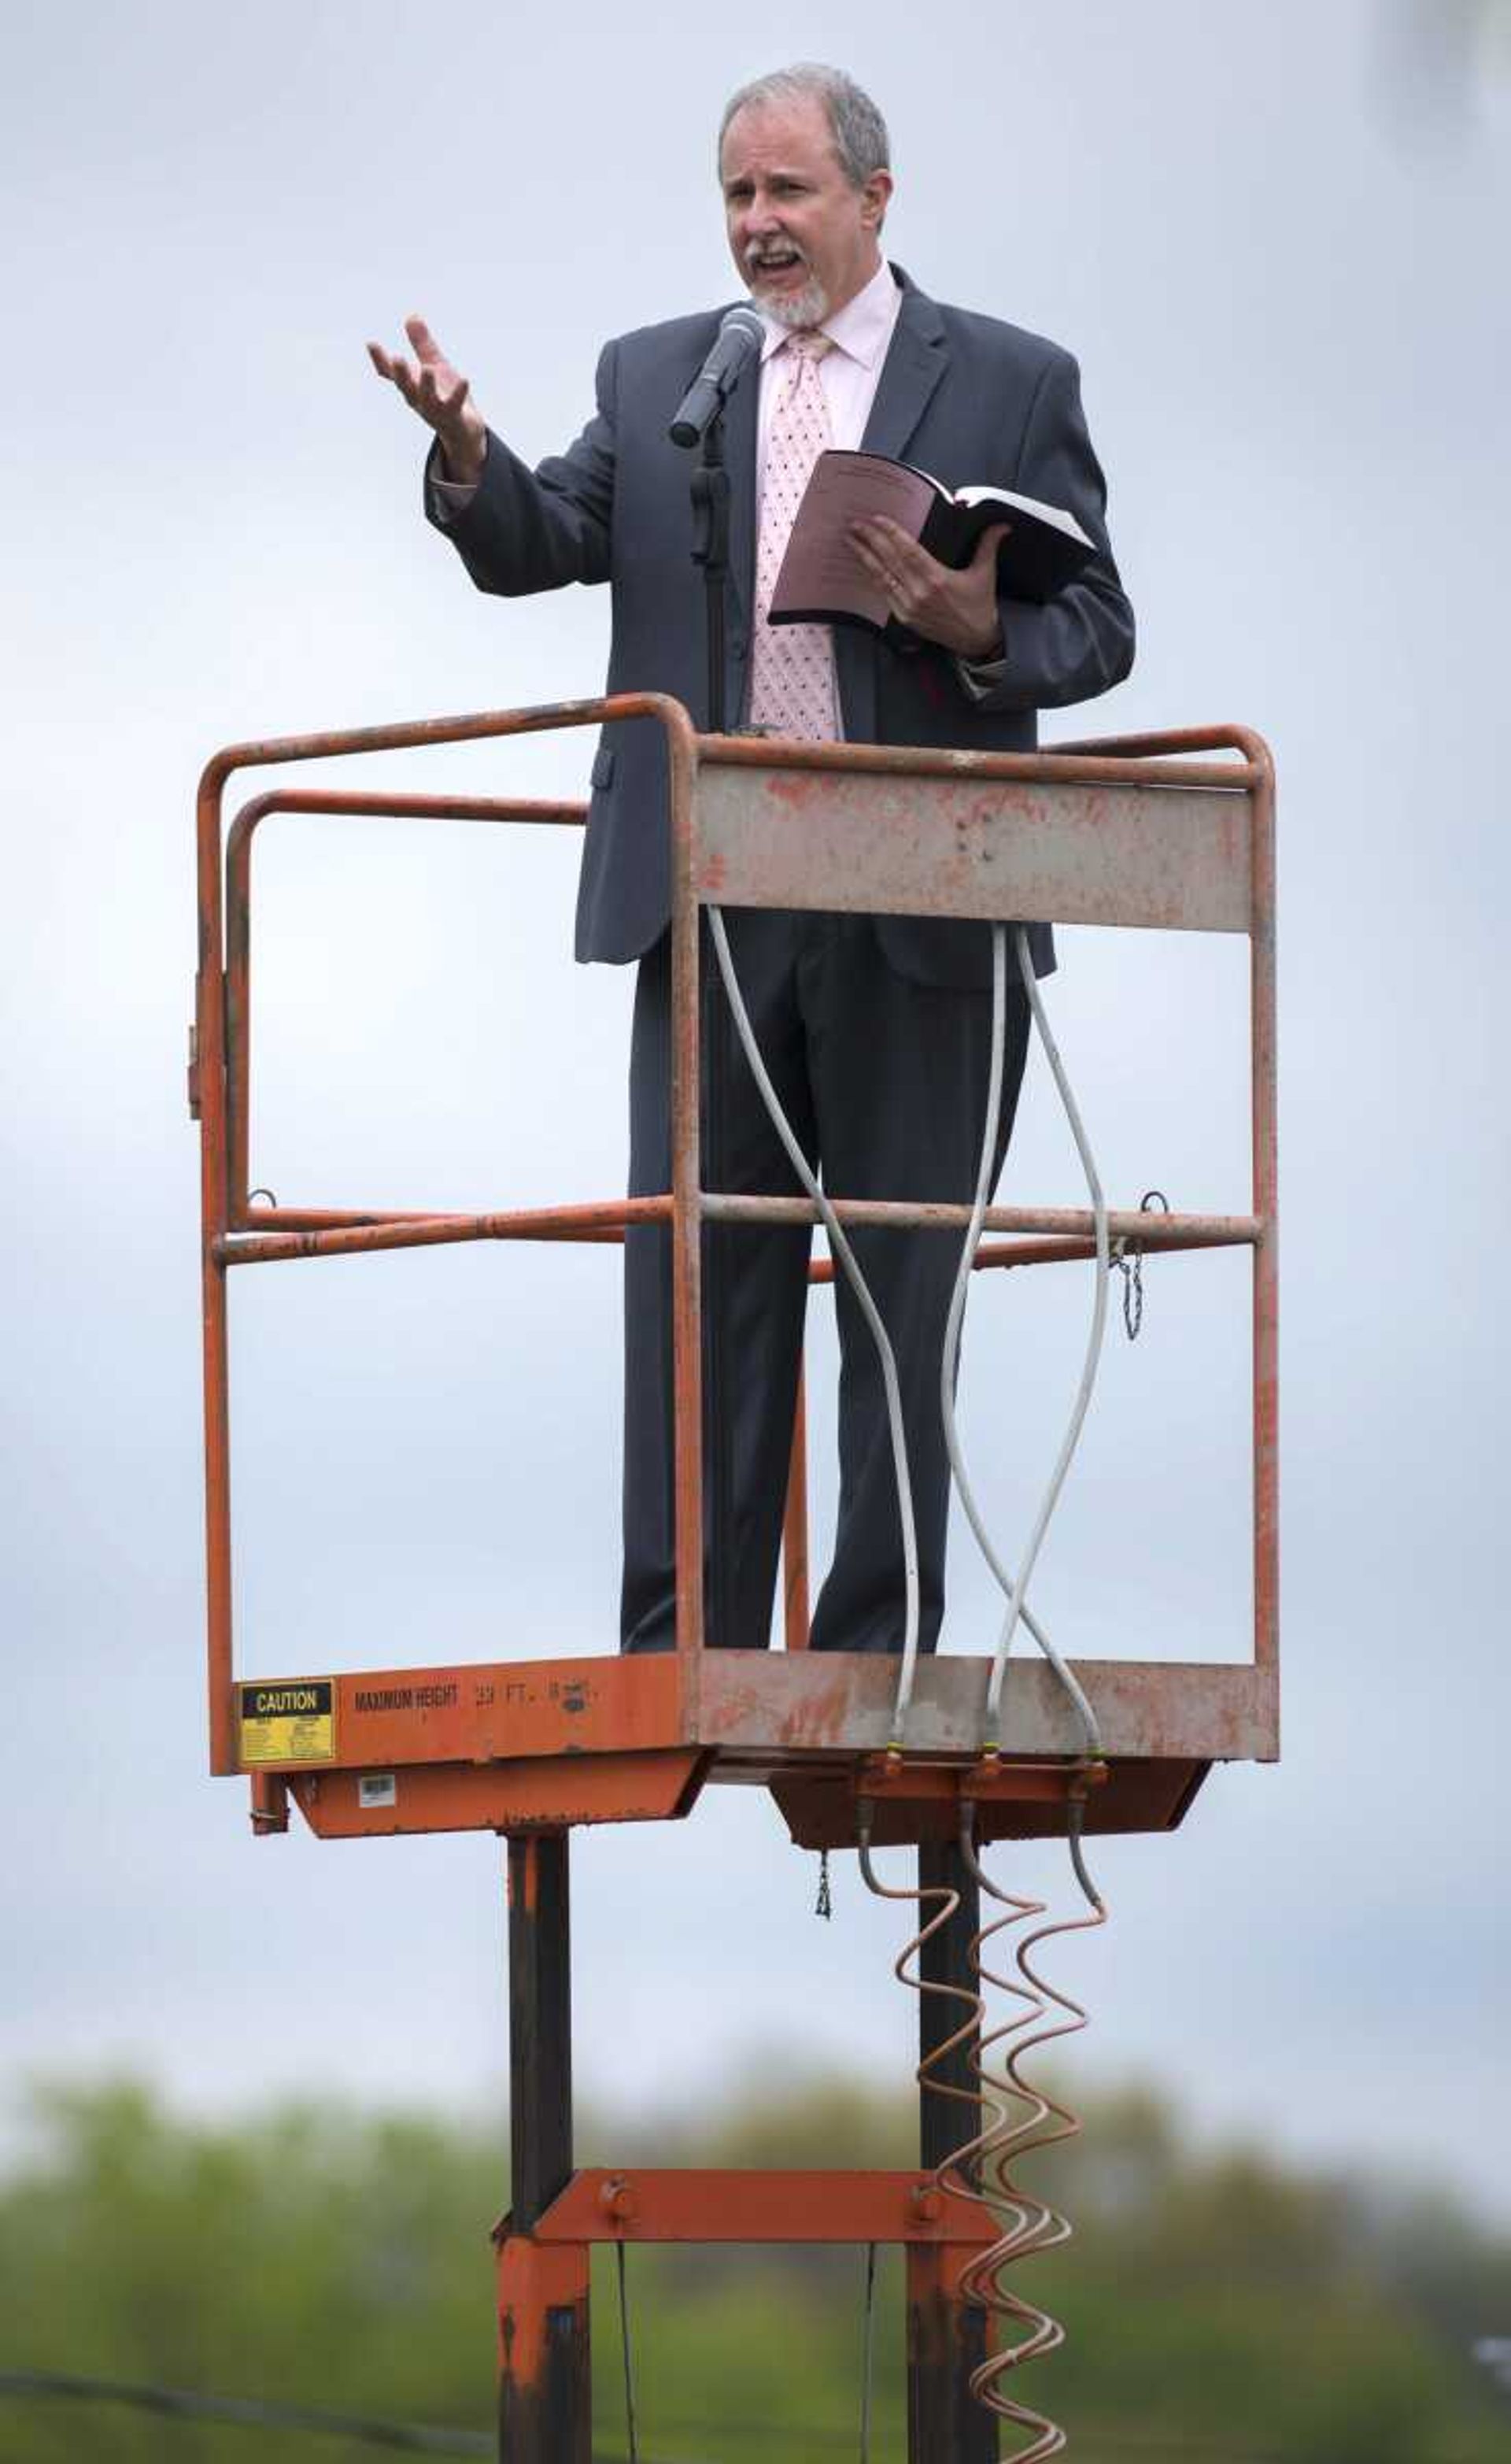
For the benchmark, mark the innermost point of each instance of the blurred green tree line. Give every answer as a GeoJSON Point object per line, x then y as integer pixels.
{"type": "Point", "coordinates": [1223, 2307]}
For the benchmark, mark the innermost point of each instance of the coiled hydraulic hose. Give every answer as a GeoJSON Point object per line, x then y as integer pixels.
{"type": "Point", "coordinates": [1030, 2224]}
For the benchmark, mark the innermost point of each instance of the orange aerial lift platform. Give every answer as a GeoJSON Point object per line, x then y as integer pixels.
{"type": "Point", "coordinates": [1166, 833]}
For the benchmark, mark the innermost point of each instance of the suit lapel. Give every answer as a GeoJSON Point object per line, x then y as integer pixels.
{"type": "Point", "coordinates": [916, 360]}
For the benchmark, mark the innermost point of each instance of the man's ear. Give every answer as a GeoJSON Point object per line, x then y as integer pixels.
{"type": "Point", "coordinates": [875, 197]}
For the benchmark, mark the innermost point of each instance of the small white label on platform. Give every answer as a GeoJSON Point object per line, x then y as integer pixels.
{"type": "Point", "coordinates": [377, 1788]}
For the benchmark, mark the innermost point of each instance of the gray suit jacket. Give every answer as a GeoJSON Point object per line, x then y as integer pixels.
{"type": "Point", "coordinates": [963, 396]}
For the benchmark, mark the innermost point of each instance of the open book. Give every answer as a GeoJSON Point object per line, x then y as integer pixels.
{"type": "Point", "coordinates": [822, 581]}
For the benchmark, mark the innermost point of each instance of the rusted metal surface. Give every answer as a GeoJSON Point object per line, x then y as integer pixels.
{"type": "Point", "coordinates": [1071, 1252]}
{"type": "Point", "coordinates": [544, 1224]}
{"type": "Point", "coordinates": [1149, 807]}
{"type": "Point", "coordinates": [506, 1745]}
{"type": "Point", "coordinates": [1162, 761]}
{"type": "Point", "coordinates": [210, 1089]}
{"type": "Point", "coordinates": [996, 1253]}
{"type": "Point", "coordinates": [822, 1810]}
{"type": "Point", "coordinates": [545, 2381]}
{"type": "Point", "coordinates": [546, 1793]}
{"type": "Point", "coordinates": [1143, 831]}
{"type": "Point", "coordinates": [606, 1218]}
{"type": "Point", "coordinates": [1152, 1231]}
{"type": "Point", "coordinates": [687, 1232]}
{"type": "Point", "coordinates": [1172, 746]}
{"type": "Point", "coordinates": [775, 1707]}
{"type": "Point", "coordinates": [1066, 852]}
{"type": "Point", "coordinates": [945, 2426]}
{"type": "Point", "coordinates": [442, 1231]}
{"type": "Point", "coordinates": [778, 1713]}
{"type": "Point", "coordinates": [648, 2203]}
{"type": "Point", "coordinates": [817, 1787]}
{"type": "Point", "coordinates": [545, 2413]}
{"type": "Point", "coordinates": [239, 839]}
{"type": "Point", "coordinates": [490, 1711]}
{"type": "Point", "coordinates": [990, 1779]}
{"type": "Point", "coordinates": [595, 1224]}
{"type": "Point", "coordinates": [541, 2155]}
{"type": "Point", "coordinates": [270, 1803]}
{"type": "Point", "coordinates": [1266, 1205]}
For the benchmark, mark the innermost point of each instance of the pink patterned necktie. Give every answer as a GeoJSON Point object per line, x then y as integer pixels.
{"type": "Point", "coordinates": [792, 665]}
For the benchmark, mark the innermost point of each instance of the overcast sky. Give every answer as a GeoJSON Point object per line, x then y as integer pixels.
{"type": "Point", "coordinates": [1276, 238]}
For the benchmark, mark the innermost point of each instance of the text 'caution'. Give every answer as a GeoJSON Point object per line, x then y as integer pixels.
{"type": "Point", "coordinates": [291, 1722]}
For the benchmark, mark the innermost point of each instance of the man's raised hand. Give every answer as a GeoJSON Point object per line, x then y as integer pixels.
{"type": "Point", "coordinates": [443, 399]}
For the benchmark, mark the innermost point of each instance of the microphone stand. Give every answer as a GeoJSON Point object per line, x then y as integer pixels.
{"type": "Point", "coordinates": [710, 550]}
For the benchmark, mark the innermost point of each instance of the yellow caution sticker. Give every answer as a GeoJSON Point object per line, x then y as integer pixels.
{"type": "Point", "coordinates": [293, 1720]}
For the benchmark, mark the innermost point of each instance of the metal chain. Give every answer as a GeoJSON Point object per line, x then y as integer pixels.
{"type": "Point", "coordinates": [630, 2430]}
{"type": "Point", "coordinates": [825, 1905]}
{"type": "Point", "coordinates": [1129, 1264]}
{"type": "Point", "coordinates": [1128, 1258]}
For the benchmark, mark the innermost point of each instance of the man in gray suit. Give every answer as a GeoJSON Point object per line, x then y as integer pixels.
{"type": "Point", "coordinates": [876, 1031]}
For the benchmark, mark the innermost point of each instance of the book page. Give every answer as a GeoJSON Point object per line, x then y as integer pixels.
{"type": "Point", "coordinates": [821, 568]}
{"type": "Point", "coordinates": [1055, 516]}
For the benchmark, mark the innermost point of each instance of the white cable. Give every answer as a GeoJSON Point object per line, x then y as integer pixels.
{"type": "Point", "coordinates": [1014, 1590]}
{"type": "Point", "coordinates": [846, 1258]}
{"type": "Point", "coordinates": [1098, 1314]}
{"type": "Point", "coordinates": [952, 1348]}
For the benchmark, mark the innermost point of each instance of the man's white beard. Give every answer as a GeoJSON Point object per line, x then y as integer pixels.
{"type": "Point", "coordinates": [796, 310]}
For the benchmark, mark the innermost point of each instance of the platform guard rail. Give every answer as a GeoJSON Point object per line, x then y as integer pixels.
{"type": "Point", "coordinates": [1169, 832]}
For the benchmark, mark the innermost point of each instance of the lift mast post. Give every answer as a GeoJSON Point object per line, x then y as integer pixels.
{"type": "Point", "coordinates": [1159, 832]}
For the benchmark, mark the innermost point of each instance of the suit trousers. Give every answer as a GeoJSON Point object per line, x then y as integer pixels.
{"type": "Point", "coordinates": [885, 1080]}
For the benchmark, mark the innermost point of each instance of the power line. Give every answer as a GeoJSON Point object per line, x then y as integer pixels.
{"type": "Point", "coordinates": [417, 2438]}
{"type": "Point", "coordinates": [250, 2412]}
{"type": "Point", "coordinates": [245, 2412]}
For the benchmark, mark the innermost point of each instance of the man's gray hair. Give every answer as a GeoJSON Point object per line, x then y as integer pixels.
{"type": "Point", "coordinates": [859, 130]}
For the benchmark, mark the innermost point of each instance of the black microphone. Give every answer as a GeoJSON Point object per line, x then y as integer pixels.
{"type": "Point", "coordinates": [737, 342]}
